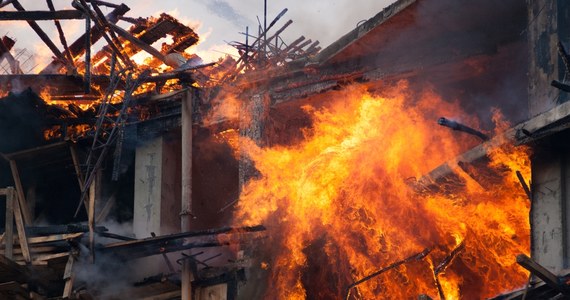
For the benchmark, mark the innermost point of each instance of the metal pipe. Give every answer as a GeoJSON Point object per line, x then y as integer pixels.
{"type": "Point", "coordinates": [460, 127]}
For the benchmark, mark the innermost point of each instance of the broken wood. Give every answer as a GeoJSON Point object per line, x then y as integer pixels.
{"type": "Point", "coordinates": [5, 52]}
{"type": "Point", "coordinates": [564, 56]}
{"type": "Point", "coordinates": [77, 48]}
{"type": "Point", "coordinates": [31, 15]}
{"type": "Point", "coordinates": [53, 238]}
{"type": "Point", "coordinates": [416, 257]}
{"type": "Point", "coordinates": [560, 85]}
{"type": "Point", "coordinates": [91, 216]}
{"type": "Point", "coordinates": [26, 214]}
{"type": "Point", "coordinates": [9, 229]}
{"type": "Point", "coordinates": [135, 41]}
{"type": "Point", "coordinates": [41, 33]}
{"type": "Point", "coordinates": [69, 277]}
{"type": "Point", "coordinates": [166, 259]}
{"type": "Point", "coordinates": [524, 185]}
{"type": "Point", "coordinates": [62, 38]}
{"type": "Point", "coordinates": [448, 259]}
{"type": "Point", "coordinates": [541, 272]}
{"type": "Point", "coordinates": [22, 233]}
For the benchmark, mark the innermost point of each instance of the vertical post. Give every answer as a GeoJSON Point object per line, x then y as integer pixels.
{"type": "Point", "coordinates": [26, 214]}
{"type": "Point", "coordinates": [186, 205]}
{"type": "Point", "coordinates": [22, 239]}
{"type": "Point", "coordinates": [69, 276]}
{"type": "Point", "coordinates": [9, 231]}
{"type": "Point", "coordinates": [246, 60]}
{"type": "Point", "coordinates": [93, 196]}
{"type": "Point", "coordinates": [265, 29]}
{"type": "Point", "coordinates": [87, 76]}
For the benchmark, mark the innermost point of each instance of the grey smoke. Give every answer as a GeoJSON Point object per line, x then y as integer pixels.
{"type": "Point", "coordinates": [224, 10]}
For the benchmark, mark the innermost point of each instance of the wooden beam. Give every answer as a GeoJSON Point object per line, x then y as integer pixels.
{"type": "Point", "coordinates": [91, 218]}
{"type": "Point", "coordinates": [142, 45]}
{"type": "Point", "coordinates": [62, 38]}
{"type": "Point", "coordinates": [20, 191]}
{"type": "Point", "coordinates": [69, 277]}
{"type": "Point", "coordinates": [37, 15]}
{"type": "Point", "coordinates": [78, 47]}
{"type": "Point", "coordinates": [22, 233]}
{"type": "Point", "coordinates": [53, 238]}
{"type": "Point", "coordinates": [76, 165]}
{"type": "Point", "coordinates": [9, 231]}
{"type": "Point", "coordinates": [41, 33]}
{"type": "Point", "coordinates": [5, 52]}
{"type": "Point", "coordinates": [105, 210]}
{"type": "Point", "coordinates": [541, 272]}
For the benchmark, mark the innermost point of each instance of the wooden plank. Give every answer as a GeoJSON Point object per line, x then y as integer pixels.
{"type": "Point", "coordinates": [27, 217]}
{"type": "Point", "coordinates": [541, 272]}
{"type": "Point", "coordinates": [22, 233]}
{"type": "Point", "coordinates": [105, 210]}
{"type": "Point", "coordinates": [9, 232]}
{"type": "Point", "coordinates": [53, 238]}
{"type": "Point", "coordinates": [76, 165]}
{"type": "Point", "coordinates": [69, 277]}
{"type": "Point", "coordinates": [38, 15]}
{"type": "Point", "coordinates": [50, 256]}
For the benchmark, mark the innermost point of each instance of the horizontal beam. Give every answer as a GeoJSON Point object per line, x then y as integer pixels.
{"type": "Point", "coordinates": [37, 15]}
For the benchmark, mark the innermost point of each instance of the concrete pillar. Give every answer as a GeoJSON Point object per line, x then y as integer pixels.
{"type": "Point", "coordinates": [186, 191]}
{"type": "Point", "coordinates": [551, 208]}
{"type": "Point", "coordinates": [548, 24]}
{"type": "Point", "coordinates": [157, 187]}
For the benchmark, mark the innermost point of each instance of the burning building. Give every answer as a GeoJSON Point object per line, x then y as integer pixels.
{"type": "Point", "coordinates": [291, 172]}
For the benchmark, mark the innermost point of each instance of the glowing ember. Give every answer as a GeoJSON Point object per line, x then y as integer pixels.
{"type": "Point", "coordinates": [341, 207]}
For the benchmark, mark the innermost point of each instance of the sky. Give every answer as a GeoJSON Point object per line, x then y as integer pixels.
{"type": "Point", "coordinates": [216, 22]}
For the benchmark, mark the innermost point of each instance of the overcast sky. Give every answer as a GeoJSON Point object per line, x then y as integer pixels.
{"type": "Point", "coordinates": [216, 21]}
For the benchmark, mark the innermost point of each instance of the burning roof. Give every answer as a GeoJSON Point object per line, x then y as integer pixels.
{"type": "Point", "coordinates": [337, 152]}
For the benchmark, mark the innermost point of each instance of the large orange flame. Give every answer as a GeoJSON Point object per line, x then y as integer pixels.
{"type": "Point", "coordinates": [340, 205]}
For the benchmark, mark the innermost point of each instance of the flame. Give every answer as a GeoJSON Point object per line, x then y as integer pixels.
{"type": "Point", "coordinates": [340, 204]}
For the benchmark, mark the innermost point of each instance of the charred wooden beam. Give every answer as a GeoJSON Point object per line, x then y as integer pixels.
{"type": "Point", "coordinates": [77, 48]}
{"type": "Point", "coordinates": [62, 38]}
{"type": "Point", "coordinates": [564, 56]}
{"type": "Point", "coordinates": [460, 127]}
{"type": "Point", "coordinates": [179, 241]}
{"type": "Point", "coordinates": [104, 3]}
{"type": "Point", "coordinates": [6, 45]}
{"type": "Point", "coordinates": [103, 24]}
{"type": "Point", "coordinates": [41, 33]}
{"type": "Point", "coordinates": [524, 185]}
{"type": "Point", "coordinates": [9, 228]}
{"type": "Point", "coordinates": [5, 2]}
{"type": "Point", "coordinates": [416, 257]}
{"type": "Point", "coordinates": [87, 75]}
{"type": "Point", "coordinates": [448, 259]}
{"type": "Point", "coordinates": [559, 85]}
{"type": "Point", "coordinates": [142, 45]}
{"type": "Point", "coordinates": [37, 15]}
{"type": "Point", "coordinates": [541, 272]}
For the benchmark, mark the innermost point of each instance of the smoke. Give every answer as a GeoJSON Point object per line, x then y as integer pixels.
{"type": "Point", "coordinates": [224, 10]}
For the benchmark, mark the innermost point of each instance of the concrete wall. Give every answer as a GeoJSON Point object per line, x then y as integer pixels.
{"type": "Point", "coordinates": [551, 207]}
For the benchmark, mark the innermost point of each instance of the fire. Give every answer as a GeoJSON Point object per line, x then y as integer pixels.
{"type": "Point", "coordinates": [341, 206]}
